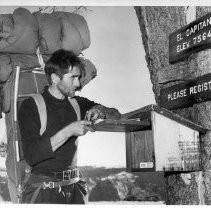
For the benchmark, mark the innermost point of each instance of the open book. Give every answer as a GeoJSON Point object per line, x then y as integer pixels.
{"type": "Point", "coordinates": [121, 125]}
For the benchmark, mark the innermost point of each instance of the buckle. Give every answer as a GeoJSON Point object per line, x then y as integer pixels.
{"type": "Point", "coordinates": [49, 185]}
{"type": "Point", "coordinates": [66, 175]}
{"type": "Point", "coordinates": [70, 174]}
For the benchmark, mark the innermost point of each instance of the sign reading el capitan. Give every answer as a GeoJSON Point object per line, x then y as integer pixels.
{"type": "Point", "coordinates": [187, 93]}
{"type": "Point", "coordinates": [194, 37]}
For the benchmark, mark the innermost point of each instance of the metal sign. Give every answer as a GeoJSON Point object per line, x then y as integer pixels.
{"type": "Point", "coordinates": [186, 94]}
{"type": "Point", "coordinates": [194, 37]}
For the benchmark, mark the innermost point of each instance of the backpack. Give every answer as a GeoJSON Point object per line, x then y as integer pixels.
{"type": "Point", "coordinates": [24, 168]}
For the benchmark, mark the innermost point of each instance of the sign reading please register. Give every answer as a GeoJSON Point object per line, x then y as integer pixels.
{"type": "Point", "coordinates": [187, 93]}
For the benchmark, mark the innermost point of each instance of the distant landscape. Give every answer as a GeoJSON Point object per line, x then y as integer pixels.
{"type": "Point", "coordinates": [115, 184]}
{"type": "Point", "coordinates": [108, 184]}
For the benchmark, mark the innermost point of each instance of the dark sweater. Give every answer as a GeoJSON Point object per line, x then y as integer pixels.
{"type": "Point", "coordinates": [37, 149]}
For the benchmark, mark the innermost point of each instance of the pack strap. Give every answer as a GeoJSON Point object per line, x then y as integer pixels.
{"type": "Point", "coordinates": [38, 98]}
{"type": "Point", "coordinates": [52, 185]}
{"type": "Point", "coordinates": [35, 194]}
{"type": "Point", "coordinates": [40, 58]}
{"type": "Point", "coordinates": [41, 110]}
{"type": "Point", "coordinates": [76, 107]}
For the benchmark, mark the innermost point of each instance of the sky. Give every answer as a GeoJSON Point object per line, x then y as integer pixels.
{"type": "Point", "coordinates": [122, 82]}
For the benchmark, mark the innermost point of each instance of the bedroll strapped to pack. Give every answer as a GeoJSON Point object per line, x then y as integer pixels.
{"type": "Point", "coordinates": [23, 32]}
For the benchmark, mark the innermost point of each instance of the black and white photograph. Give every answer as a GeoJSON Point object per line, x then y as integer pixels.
{"type": "Point", "coordinates": [105, 103]}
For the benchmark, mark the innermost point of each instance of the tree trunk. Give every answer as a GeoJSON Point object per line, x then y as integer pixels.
{"type": "Point", "coordinates": [156, 23]}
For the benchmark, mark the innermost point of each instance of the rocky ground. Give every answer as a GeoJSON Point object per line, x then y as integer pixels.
{"type": "Point", "coordinates": [119, 185]}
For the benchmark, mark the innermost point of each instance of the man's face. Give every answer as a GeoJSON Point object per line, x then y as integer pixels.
{"type": "Point", "coordinates": [70, 82]}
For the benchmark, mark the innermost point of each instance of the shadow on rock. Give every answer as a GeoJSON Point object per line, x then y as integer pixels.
{"type": "Point", "coordinates": [104, 191]}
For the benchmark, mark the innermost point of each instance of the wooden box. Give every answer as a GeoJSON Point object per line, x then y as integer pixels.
{"type": "Point", "coordinates": [170, 143]}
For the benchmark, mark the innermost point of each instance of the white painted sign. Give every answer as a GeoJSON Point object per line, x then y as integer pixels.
{"type": "Point", "coordinates": [176, 146]}
{"type": "Point", "coordinates": [146, 165]}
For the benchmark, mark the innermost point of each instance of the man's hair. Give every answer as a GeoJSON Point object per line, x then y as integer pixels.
{"type": "Point", "coordinates": [60, 62]}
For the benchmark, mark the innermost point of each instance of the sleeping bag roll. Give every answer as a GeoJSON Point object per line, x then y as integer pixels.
{"type": "Point", "coordinates": [50, 32]}
{"type": "Point", "coordinates": [70, 37]}
{"type": "Point", "coordinates": [80, 24]}
{"type": "Point", "coordinates": [19, 32]}
{"type": "Point", "coordinates": [9, 61]}
{"type": "Point", "coordinates": [89, 72]}
{"type": "Point", "coordinates": [5, 67]}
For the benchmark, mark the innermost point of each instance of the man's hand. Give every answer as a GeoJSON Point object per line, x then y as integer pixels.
{"type": "Point", "coordinates": [77, 128]}
{"type": "Point", "coordinates": [102, 112]}
{"type": "Point", "coordinates": [94, 114]}
{"type": "Point", "coordinates": [80, 128]}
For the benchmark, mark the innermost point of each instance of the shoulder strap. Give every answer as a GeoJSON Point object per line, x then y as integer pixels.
{"type": "Point", "coordinates": [43, 113]}
{"type": "Point", "coordinates": [41, 110]}
{"type": "Point", "coordinates": [76, 107]}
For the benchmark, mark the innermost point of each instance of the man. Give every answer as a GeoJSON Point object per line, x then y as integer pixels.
{"type": "Point", "coordinates": [52, 154]}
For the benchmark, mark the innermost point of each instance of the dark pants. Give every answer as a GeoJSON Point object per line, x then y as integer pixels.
{"type": "Point", "coordinates": [71, 194]}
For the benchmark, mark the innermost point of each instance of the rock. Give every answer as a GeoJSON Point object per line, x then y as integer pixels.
{"type": "Point", "coordinates": [104, 191]}
{"type": "Point", "coordinates": [119, 187]}
{"type": "Point", "coordinates": [113, 188]}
